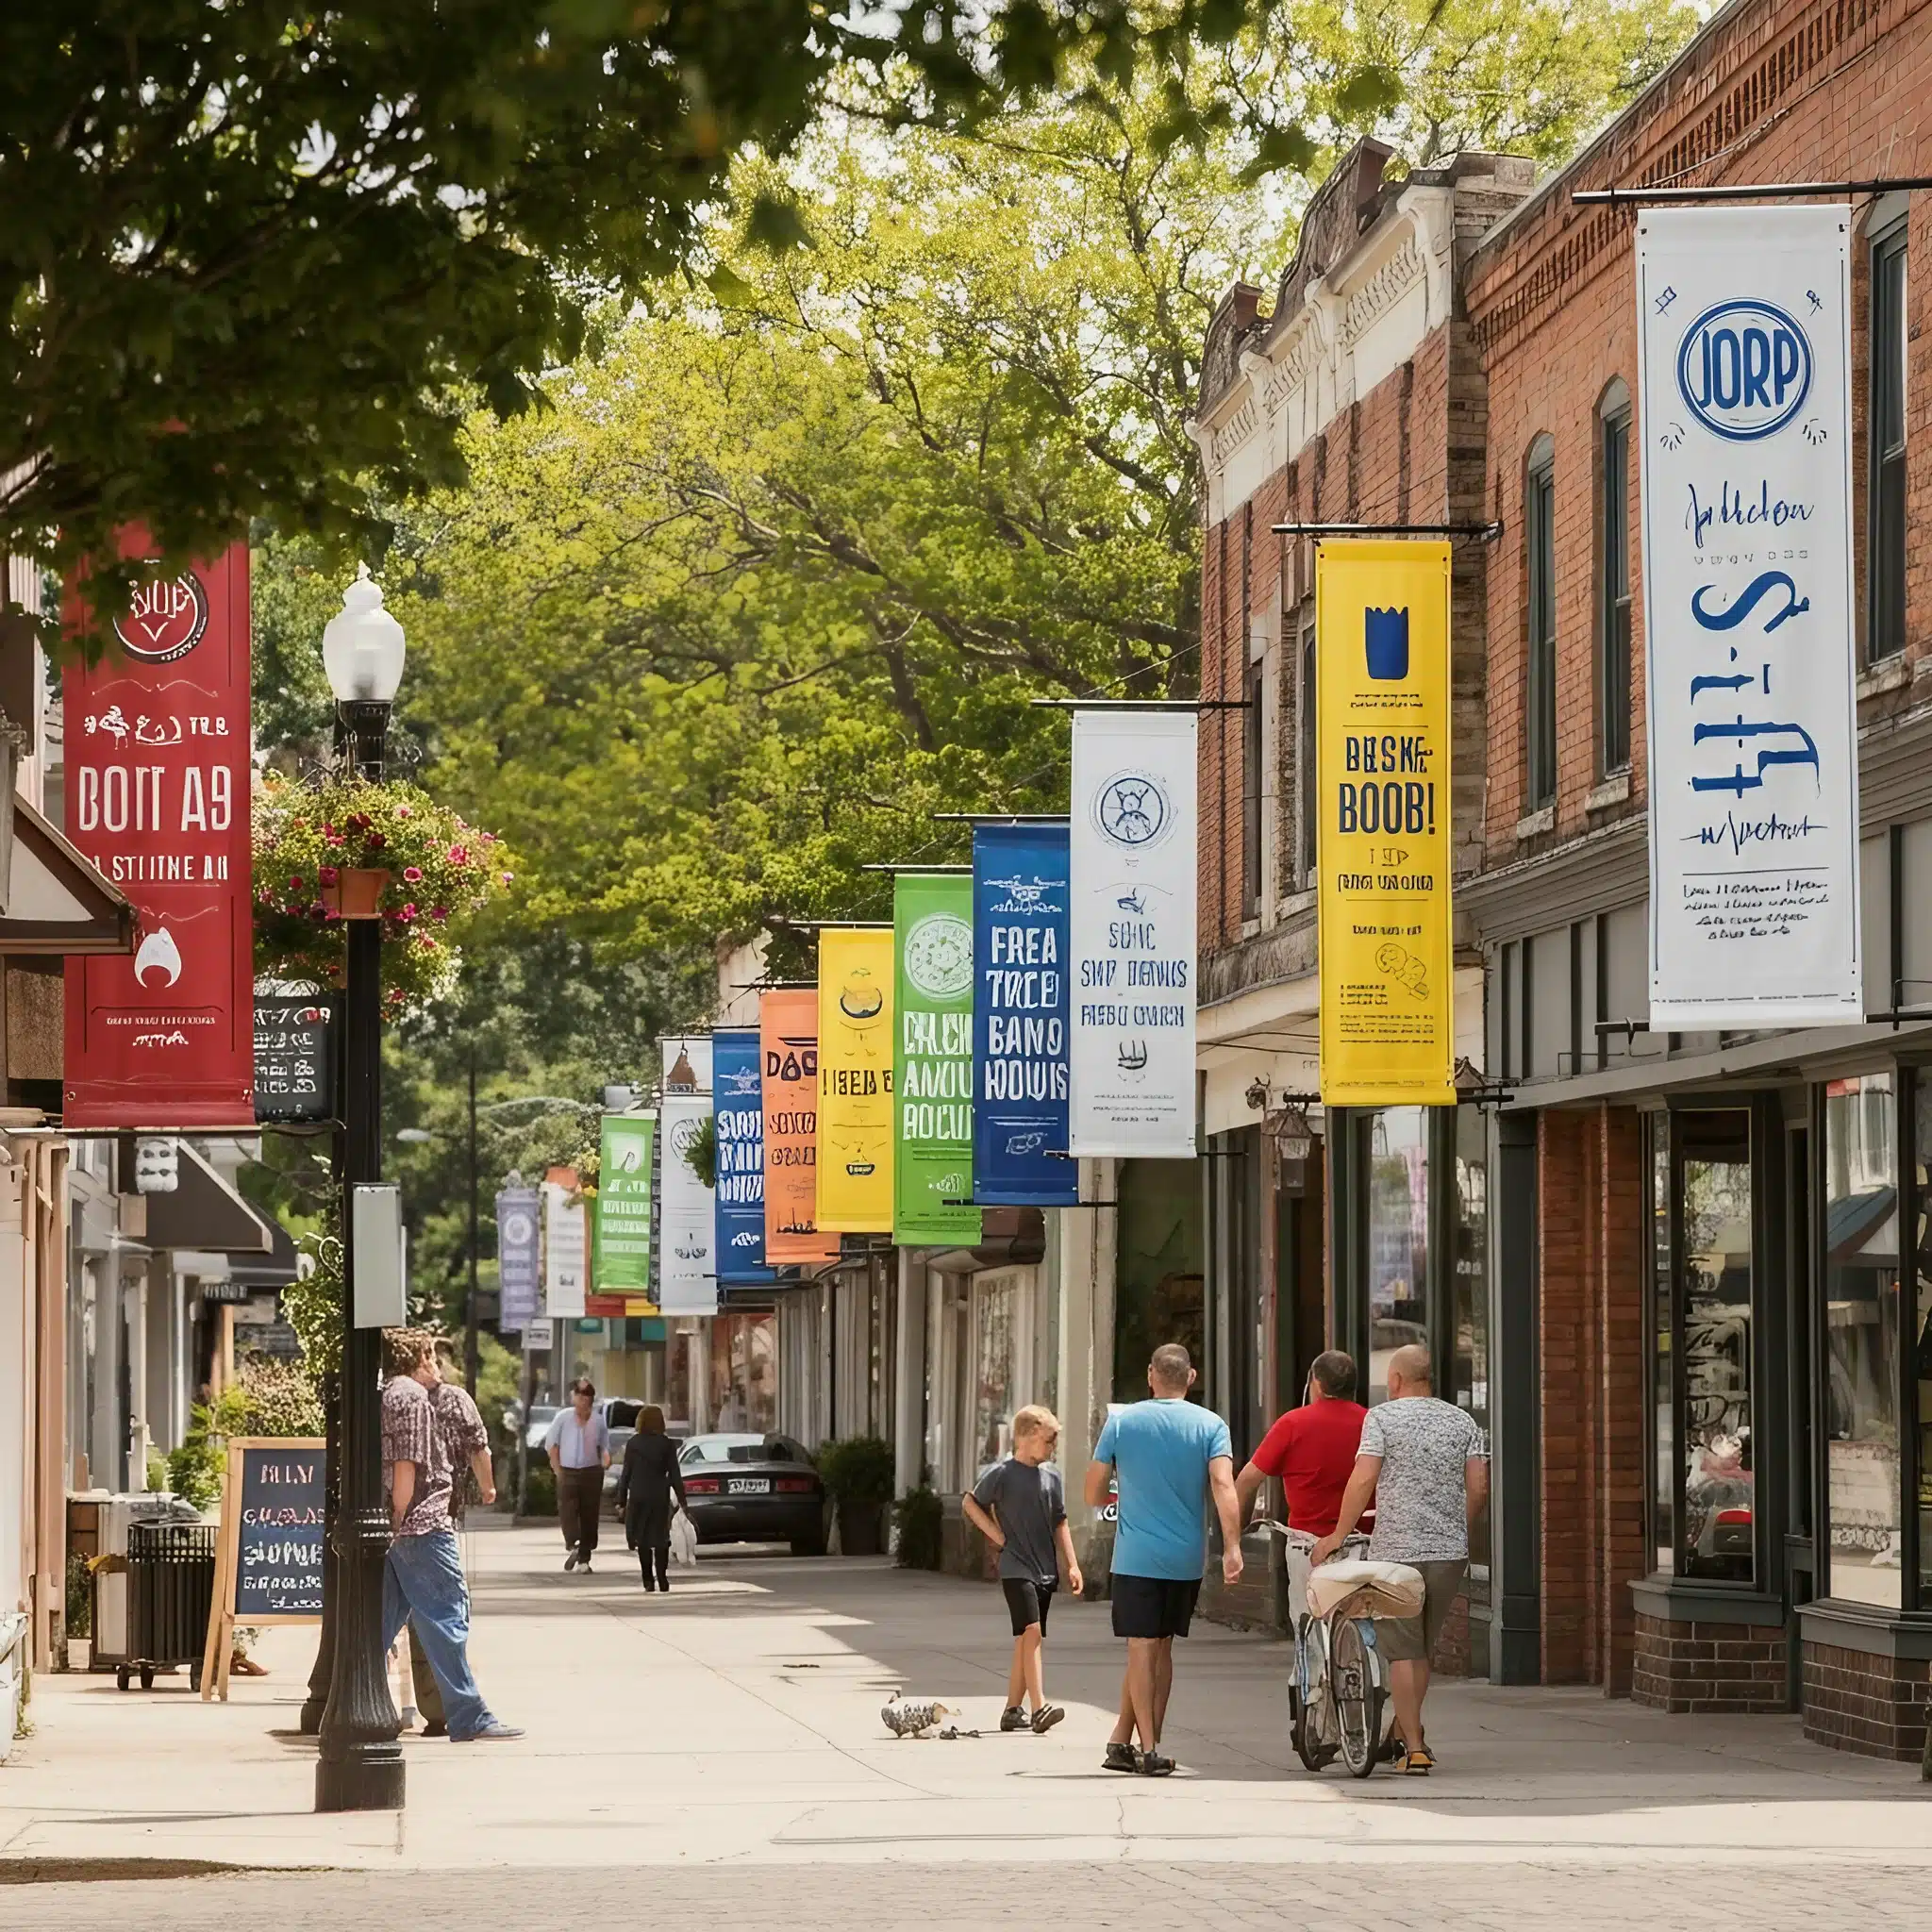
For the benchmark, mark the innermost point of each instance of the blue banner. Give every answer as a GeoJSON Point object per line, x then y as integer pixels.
{"type": "Point", "coordinates": [1020, 1018]}
{"type": "Point", "coordinates": [738, 1099]}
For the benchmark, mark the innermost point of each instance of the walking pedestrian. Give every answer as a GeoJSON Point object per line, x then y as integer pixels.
{"type": "Point", "coordinates": [1425, 1463]}
{"type": "Point", "coordinates": [1166, 1455]}
{"type": "Point", "coordinates": [466, 1446]}
{"type": "Point", "coordinates": [646, 1485]}
{"type": "Point", "coordinates": [1020, 1507]}
{"type": "Point", "coordinates": [579, 1446]}
{"type": "Point", "coordinates": [423, 1574]}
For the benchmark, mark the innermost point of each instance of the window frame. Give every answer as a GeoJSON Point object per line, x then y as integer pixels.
{"type": "Point", "coordinates": [1616, 605]}
{"type": "Point", "coordinates": [1308, 750]}
{"type": "Point", "coordinates": [1539, 774]}
{"type": "Point", "coordinates": [1253, 774]}
{"type": "Point", "coordinates": [1885, 561]}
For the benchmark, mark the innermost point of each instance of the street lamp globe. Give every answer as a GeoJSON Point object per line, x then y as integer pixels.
{"type": "Point", "coordinates": [362, 647]}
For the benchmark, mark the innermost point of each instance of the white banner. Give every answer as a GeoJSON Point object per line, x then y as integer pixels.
{"type": "Point", "coordinates": [1132, 863]}
{"type": "Point", "coordinates": [687, 1237]}
{"type": "Point", "coordinates": [566, 1252]}
{"type": "Point", "coordinates": [1745, 397]}
{"type": "Point", "coordinates": [687, 1063]}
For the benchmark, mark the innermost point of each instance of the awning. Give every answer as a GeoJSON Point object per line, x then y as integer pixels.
{"type": "Point", "coordinates": [52, 899]}
{"type": "Point", "coordinates": [205, 1212]}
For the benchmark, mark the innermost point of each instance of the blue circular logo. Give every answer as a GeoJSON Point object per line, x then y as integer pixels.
{"type": "Point", "coordinates": [1744, 368]}
{"type": "Point", "coordinates": [1132, 809]}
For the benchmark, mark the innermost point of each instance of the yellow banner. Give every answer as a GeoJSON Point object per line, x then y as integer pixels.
{"type": "Point", "coordinates": [1382, 786]}
{"type": "Point", "coordinates": [854, 1130]}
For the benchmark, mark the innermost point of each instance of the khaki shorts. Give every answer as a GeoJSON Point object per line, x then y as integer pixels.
{"type": "Point", "coordinates": [1413, 1640]}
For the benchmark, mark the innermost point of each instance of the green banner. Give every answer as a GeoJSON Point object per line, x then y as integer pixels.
{"type": "Point", "coordinates": [621, 1263]}
{"type": "Point", "coordinates": [932, 1061]}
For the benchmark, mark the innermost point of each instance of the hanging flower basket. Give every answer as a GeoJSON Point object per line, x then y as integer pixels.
{"type": "Point", "coordinates": [356, 891]}
{"type": "Point", "coordinates": [349, 848]}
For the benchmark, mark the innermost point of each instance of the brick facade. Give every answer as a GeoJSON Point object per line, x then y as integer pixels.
{"type": "Point", "coordinates": [1732, 1668]}
{"type": "Point", "coordinates": [1854, 1701]}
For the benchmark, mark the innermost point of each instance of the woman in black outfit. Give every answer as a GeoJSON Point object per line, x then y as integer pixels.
{"type": "Point", "coordinates": [645, 1486]}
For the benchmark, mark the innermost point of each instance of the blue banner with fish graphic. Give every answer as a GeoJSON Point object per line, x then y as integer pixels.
{"type": "Point", "coordinates": [1019, 945]}
{"type": "Point", "coordinates": [739, 1104]}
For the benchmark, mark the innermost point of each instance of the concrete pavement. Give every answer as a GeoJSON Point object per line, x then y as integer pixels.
{"type": "Point", "coordinates": [733, 1726]}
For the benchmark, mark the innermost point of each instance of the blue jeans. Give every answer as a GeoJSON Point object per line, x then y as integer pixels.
{"type": "Point", "coordinates": [422, 1578]}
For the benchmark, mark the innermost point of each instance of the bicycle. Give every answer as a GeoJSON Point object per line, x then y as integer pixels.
{"type": "Point", "coordinates": [1337, 1700]}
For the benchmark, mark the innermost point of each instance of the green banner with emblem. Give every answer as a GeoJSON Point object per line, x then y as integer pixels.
{"type": "Point", "coordinates": [620, 1261]}
{"type": "Point", "coordinates": [932, 1061]}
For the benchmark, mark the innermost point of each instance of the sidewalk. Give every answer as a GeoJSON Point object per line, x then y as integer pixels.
{"type": "Point", "coordinates": [738, 1721]}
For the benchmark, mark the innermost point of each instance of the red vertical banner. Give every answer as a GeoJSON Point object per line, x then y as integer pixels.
{"type": "Point", "coordinates": [157, 796]}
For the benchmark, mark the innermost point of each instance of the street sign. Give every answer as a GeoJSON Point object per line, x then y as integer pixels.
{"type": "Point", "coordinates": [295, 1059]}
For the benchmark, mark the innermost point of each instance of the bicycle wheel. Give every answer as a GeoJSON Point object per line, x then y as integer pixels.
{"type": "Point", "coordinates": [1355, 1683]}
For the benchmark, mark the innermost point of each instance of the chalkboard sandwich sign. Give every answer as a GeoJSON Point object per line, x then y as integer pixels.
{"type": "Point", "coordinates": [268, 1561]}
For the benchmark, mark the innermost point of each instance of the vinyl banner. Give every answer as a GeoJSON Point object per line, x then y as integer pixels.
{"type": "Point", "coordinates": [1132, 864]}
{"type": "Point", "coordinates": [519, 1282]}
{"type": "Point", "coordinates": [1382, 788]}
{"type": "Point", "coordinates": [566, 1239]}
{"type": "Point", "coordinates": [788, 1040]}
{"type": "Point", "coordinates": [738, 1219]}
{"type": "Point", "coordinates": [1020, 1018]}
{"type": "Point", "coordinates": [854, 1166]}
{"type": "Point", "coordinates": [687, 1063]}
{"type": "Point", "coordinates": [623, 1265]}
{"type": "Point", "coordinates": [1747, 580]}
{"type": "Point", "coordinates": [932, 1065]}
{"type": "Point", "coordinates": [157, 785]}
{"type": "Point", "coordinates": [687, 1270]}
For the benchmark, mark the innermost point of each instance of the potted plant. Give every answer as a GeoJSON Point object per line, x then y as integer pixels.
{"type": "Point", "coordinates": [858, 1475]}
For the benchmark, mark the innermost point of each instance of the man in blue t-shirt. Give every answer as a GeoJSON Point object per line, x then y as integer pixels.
{"type": "Point", "coordinates": [1166, 1456]}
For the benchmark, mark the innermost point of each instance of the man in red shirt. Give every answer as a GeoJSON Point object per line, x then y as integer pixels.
{"type": "Point", "coordinates": [1313, 1449]}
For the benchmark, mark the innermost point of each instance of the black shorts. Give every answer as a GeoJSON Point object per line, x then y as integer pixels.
{"type": "Point", "coordinates": [1154, 1606]}
{"type": "Point", "coordinates": [1028, 1601]}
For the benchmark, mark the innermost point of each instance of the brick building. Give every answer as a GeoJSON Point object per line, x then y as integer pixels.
{"type": "Point", "coordinates": [1667, 1269]}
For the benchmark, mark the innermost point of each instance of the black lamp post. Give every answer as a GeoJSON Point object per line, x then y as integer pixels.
{"type": "Point", "coordinates": [360, 1765]}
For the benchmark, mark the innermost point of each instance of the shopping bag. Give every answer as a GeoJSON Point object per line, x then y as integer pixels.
{"type": "Point", "coordinates": [684, 1538]}
{"type": "Point", "coordinates": [1381, 1589]}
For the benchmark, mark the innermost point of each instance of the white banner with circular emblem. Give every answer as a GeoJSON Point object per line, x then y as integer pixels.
{"type": "Point", "coordinates": [1745, 414]}
{"type": "Point", "coordinates": [1133, 861]}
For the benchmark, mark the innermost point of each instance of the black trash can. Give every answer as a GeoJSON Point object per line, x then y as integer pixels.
{"type": "Point", "coordinates": [170, 1587]}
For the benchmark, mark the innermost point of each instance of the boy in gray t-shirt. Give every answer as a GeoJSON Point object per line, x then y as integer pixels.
{"type": "Point", "coordinates": [1020, 1507]}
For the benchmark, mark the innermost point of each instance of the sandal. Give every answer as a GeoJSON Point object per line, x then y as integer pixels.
{"type": "Point", "coordinates": [1420, 1763]}
{"type": "Point", "coordinates": [1121, 1758]}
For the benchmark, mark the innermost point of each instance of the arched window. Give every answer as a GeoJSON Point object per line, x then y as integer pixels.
{"type": "Point", "coordinates": [1539, 533]}
{"type": "Point", "coordinates": [1613, 581]}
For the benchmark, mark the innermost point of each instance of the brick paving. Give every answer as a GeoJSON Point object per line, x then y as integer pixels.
{"type": "Point", "coordinates": [1529, 1896]}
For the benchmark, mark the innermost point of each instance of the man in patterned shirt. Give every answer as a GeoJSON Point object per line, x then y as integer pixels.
{"type": "Point", "coordinates": [1425, 1465]}
{"type": "Point", "coordinates": [422, 1578]}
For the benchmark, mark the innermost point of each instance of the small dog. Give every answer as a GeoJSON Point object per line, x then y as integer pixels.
{"type": "Point", "coordinates": [913, 1716]}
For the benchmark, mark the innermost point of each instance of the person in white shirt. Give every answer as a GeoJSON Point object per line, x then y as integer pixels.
{"type": "Point", "coordinates": [579, 1446]}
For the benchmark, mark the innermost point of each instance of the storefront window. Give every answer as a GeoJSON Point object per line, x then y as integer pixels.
{"type": "Point", "coordinates": [1471, 1289]}
{"type": "Point", "coordinates": [745, 1385]}
{"type": "Point", "coordinates": [1862, 1340]}
{"type": "Point", "coordinates": [1716, 1537]}
{"type": "Point", "coordinates": [1663, 1464]}
{"type": "Point", "coordinates": [996, 1323]}
{"type": "Point", "coordinates": [1398, 1238]}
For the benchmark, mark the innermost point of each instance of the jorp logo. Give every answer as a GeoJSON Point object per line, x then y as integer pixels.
{"type": "Point", "coordinates": [165, 620]}
{"type": "Point", "coordinates": [1743, 369]}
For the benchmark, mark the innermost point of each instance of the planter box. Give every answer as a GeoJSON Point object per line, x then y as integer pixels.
{"type": "Point", "coordinates": [357, 892]}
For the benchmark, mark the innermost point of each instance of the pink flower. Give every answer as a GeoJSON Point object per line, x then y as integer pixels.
{"type": "Point", "coordinates": [335, 838]}
{"type": "Point", "coordinates": [438, 912]}
{"type": "Point", "coordinates": [377, 842]}
{"type": "Point", "coordinates": [508, 877]}
{"type": "Point", "coordinates": [408, 911]}
{"type": "Point", "coordinates": [331, 915]}
{"type": "Point", "coordinates": [459, 855]}
{"type": "Point", "coordinates": [403, 811]}
{"type": "Point", "coordinates": [296, 884]}
{"type": "Point", "coordinates": [328, 874]}
{"type": "Point", "coordinates": [328, 830]}
{"type": "Point", "coordinates": [412, 872]}
{"type": "Point", "coordinates": [486, 838]}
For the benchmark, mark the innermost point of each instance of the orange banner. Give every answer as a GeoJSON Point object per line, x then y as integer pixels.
{"type": "Point", "coordinates": [789, 1042]}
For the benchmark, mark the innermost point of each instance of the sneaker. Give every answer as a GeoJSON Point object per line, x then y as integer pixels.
{"type": "Point", "coordinates": [492, 1733]}
{"type": "Point", "coordinates": [1154, 1765]}
{"type": "Point", "coordinates": [1012, 1719]}
{"type": "Point", "coordinates": [435, 1729]}
{"type": "Point", "coordinates": [1047, 1716]}
{"type": "Point", "coordinates": [570, 1562]}
{"type": "Point", "coordinates": [1121, 1758]}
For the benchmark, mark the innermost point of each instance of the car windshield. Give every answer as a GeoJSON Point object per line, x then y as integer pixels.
{"type": "Point", "coordinates": [741, 1449]}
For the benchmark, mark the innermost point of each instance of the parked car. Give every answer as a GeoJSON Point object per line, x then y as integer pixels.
{"type": "Point", "coordinates": [542, 1415]}
{"type": "Point", "coordinates": [754, 1488]}
{"type": "Point", "coordinates": [621, 1413]}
